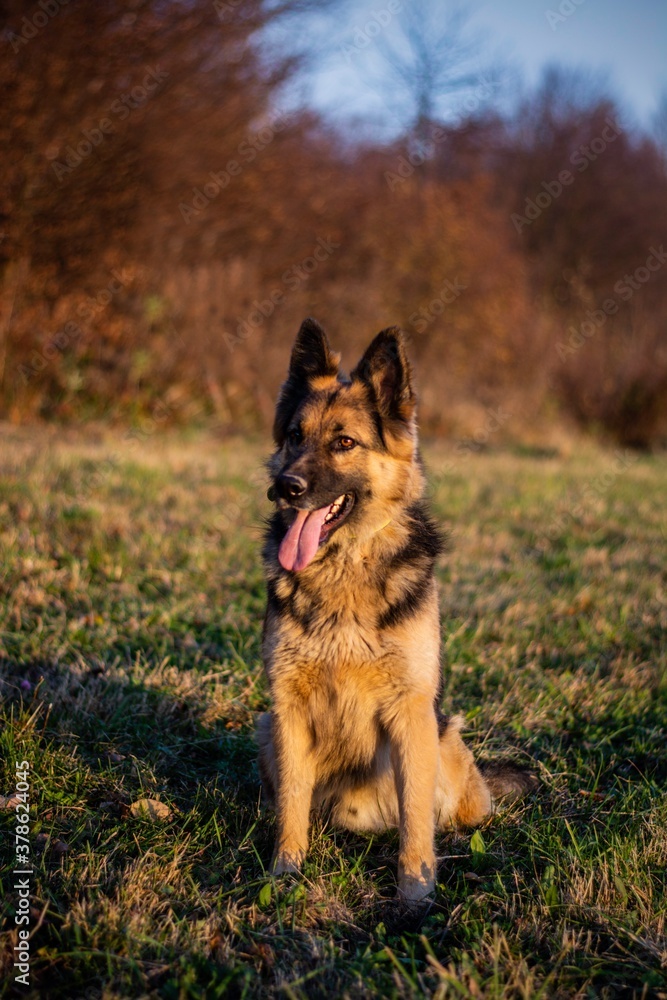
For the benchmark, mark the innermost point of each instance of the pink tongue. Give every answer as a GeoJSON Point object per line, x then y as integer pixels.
{"type": "Point", "coordinates": [300, 543]}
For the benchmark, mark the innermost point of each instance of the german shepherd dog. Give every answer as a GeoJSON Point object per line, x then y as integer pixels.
{"type": "Point", "coordinates": [351, 640]}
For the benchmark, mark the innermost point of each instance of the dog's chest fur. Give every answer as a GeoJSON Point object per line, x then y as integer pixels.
{"type": "Point", "coordinates": [352, 605]}
{"type": "Point", "coordinates": [351, 636]}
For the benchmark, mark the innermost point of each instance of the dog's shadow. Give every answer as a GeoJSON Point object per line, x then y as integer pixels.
{"type": "Point", "coordinates": [134, 739]}
{"type": "Point", "coordinates": [137, 740]}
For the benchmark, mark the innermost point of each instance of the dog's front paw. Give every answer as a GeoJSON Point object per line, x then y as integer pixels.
{"type": "Point", "coordinates": [415, 881]}
{"type": "Point", "coordinates": [413, 890]}
{"type": "Point", "coordinates": [285, 862]}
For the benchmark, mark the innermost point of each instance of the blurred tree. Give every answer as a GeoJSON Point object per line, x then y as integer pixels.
{"type": "Point", "coordinates": [112, 116]}
{"type": "Point", "coordinates": [426, 62]}
{"type": "Point", "coordinates": [164, 226]}
{"type": "Point", "coordinates": [589, 203]}
{"type": "Point", "coordinates": [86, 88]}
{"type": "Point", "coordinates": [583, 230]}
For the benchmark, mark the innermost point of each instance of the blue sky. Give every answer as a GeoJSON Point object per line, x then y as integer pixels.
{"type": "Point", "coordinates": [624, 40]}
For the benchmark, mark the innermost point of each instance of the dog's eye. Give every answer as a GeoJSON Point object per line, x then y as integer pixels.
{"type": "Point", "coordinates": [345, 443]}
{"type": "Point", "coordinates": [294, 436]}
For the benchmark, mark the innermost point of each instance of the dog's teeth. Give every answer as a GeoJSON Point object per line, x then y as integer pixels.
{"type": "Point", "coordinates": [335, 509]}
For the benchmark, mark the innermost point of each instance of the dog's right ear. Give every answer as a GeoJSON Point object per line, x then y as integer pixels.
{"type": "Point", "coordinates": [312, 359]}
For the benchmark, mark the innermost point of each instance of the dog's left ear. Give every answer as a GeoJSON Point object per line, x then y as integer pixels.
{"type": "Point", "coordinates": [311, 358]}
{"type": "Point", "coordinates": [386, 370]}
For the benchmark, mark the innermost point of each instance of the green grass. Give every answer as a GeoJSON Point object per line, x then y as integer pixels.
{"type": "Point", "coordinates": [131, 601]}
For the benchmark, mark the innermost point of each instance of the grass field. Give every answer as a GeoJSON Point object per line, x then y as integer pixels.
{"type": "Point", "coordinates": [131, 600]}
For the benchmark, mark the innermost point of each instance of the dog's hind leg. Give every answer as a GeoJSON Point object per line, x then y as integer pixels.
{"type": "Point", "coordinates": [463, 797]}
{"type": "Point", "coordinates": [466, 794]}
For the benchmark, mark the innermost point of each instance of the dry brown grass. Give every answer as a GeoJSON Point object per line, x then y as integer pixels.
{"type": "Point", "coordinates": [129, 635]}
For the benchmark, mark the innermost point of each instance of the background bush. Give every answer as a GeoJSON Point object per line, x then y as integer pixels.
{"type": "Point", "coordinates": [134, 282]}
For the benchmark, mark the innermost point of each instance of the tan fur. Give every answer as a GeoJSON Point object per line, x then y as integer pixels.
{"type": "Point", "coordinates": [353, 727]}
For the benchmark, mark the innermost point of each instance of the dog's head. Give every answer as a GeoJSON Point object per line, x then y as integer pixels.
{"type": "Point", "coordinates": [345, 448]}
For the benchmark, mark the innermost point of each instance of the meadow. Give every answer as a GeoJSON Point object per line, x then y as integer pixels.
{"type": "Point", "coordinates": [131, 601]}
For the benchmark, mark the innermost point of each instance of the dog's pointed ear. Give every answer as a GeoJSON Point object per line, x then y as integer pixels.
{"type": "Point", "coordinates": [386, 370]}
{"type": "Point", "coordinates": [311, 359]}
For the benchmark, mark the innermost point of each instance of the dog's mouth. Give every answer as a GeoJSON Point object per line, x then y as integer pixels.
{"type": "Point", "coordinates": [337, 512]}
{"type": "Point", "coordinates": [309, 529]}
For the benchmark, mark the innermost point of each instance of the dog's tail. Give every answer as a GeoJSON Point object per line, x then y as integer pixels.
{"type": "Point", "coordinates": [508, 781]}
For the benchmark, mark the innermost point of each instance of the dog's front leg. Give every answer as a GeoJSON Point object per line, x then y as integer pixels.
{"type": "Point", "coordinates": [414, 752]}
{"type": "Point", "coordinates": [295, 769]}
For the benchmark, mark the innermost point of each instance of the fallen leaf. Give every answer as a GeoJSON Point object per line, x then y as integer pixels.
{"type": "Point", "coordinates": [264, 894]}
{"type": "Point", "coordinates": [9, 801]}
{"type": "Point", "coordinates": [477, 845]}
{"type": "Point", "coordinates": [151, 809]}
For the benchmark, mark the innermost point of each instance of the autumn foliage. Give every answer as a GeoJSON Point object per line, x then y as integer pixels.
{"type": "Point", "coordinates": [167, 223]}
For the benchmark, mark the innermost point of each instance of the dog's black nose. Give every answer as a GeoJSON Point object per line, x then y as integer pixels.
{"type": "Point", "coordinates": [291, 487]}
